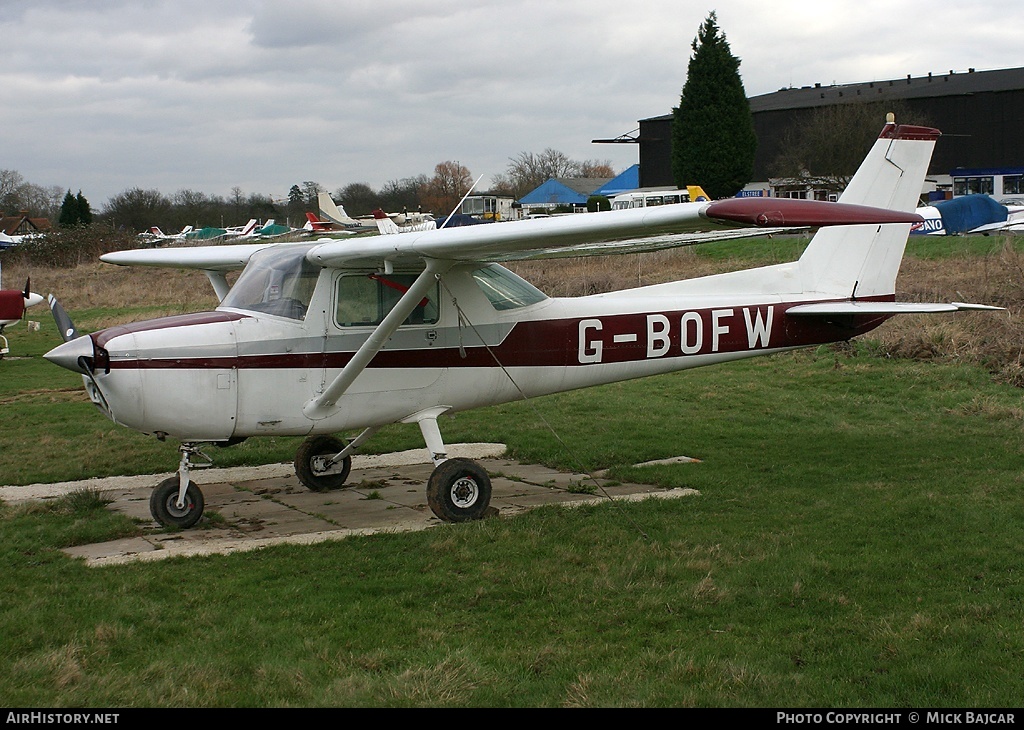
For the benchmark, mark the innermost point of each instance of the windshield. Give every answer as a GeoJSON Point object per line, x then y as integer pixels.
{"type": "Point", "coordinates": [278, 281]}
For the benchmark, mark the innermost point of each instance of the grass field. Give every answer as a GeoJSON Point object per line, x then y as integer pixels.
{"type": "Point", "coordinates": [856, 543]}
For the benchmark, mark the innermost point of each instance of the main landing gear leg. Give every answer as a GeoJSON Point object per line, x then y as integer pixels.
{"type": "Point", "coordinates": [177, 501]}
{"type": "Point", "coordinates": [459, 490]}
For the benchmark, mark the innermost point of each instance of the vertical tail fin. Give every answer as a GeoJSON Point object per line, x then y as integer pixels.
{"type": "Point", "coordinates": [385, 225]}
{"type": "Point", "coordinates": [333, 212]}
{"type": "Point", "coordinates": [862, 261]}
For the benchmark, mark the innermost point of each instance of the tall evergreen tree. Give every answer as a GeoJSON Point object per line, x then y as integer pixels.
{"type": "Point", "coordinates": [84, 210]}
{"type": "Point", "coordinates": [74, 211]}
{"type": "Point", "coordinates": [68, 211]}
{"type": "Point", "coordinates": [713, 140]}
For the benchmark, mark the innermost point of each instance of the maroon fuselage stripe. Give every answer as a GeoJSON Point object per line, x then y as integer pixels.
{"type": "Point", "coordinates": [554, 343]}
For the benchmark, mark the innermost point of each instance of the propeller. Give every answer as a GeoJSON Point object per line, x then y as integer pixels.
{"type": "Point", "coordinates": [67, 328]}
{"type": "Point", "coordinates": [77, 354]}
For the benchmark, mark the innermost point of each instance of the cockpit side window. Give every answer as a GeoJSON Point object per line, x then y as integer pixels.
{"type": "Point", "coordinates": [365, 299]}
{"type": "Point", "coordinates": [278, 281]}
{"type": "Point", "coordinates": [504, 290]}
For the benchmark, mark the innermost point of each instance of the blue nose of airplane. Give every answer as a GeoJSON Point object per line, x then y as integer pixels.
{"type": "Point", "coordinates": [70, 354]}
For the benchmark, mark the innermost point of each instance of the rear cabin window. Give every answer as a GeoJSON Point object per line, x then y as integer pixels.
{"type": "Point", "coordinates": [364, 300]}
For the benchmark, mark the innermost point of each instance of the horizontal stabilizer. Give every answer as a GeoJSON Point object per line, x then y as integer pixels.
{"type": "Point", "coordinates": [850, 307]}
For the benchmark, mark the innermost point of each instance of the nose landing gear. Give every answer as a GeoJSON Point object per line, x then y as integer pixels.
{"type": "Point", "coordinates": [177, 501]}
{"type": "Point", "coordinates": [164, 506]}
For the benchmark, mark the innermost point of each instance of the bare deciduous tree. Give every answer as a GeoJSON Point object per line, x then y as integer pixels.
{"type": "Point", "coordinates": [528, 170]}
{"type": "Point", "coordinates": [445, 189]}
{"type": "Point", "coordinates": [828, 144]}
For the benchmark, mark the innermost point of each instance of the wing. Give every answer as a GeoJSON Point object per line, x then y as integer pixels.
{"type": "Point", "coordinates": [608, 232]}
{"type": "Point", "coordinates": [228, 257]}
{"type": "Point", "coordinates": [616, 231]}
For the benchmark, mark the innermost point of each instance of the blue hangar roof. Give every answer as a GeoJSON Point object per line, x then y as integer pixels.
{"type": "Point", "coordinates": [628, 179]}
{"type": "Point", "coordinates": [564, 191]}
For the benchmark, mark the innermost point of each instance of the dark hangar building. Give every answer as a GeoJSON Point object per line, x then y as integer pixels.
{"type": "Point", "coordinates": [980, 113]}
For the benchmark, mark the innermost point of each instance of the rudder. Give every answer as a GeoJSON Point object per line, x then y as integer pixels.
{"type": "Point", "coordinates": [863, 261]}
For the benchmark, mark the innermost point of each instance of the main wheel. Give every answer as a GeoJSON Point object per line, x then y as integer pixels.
{"type": "Point", "coordinates": [163, 504]}
{"type": "Point", "coordinates": [309, 463]}
{"type": "Point", "coordinates": [459, 490]}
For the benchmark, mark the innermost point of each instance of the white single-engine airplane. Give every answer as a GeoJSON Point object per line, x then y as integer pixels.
{"type": "Point", "coordinates": [12, 309]}
{"type": "Point", "coordinates": [323, 337]}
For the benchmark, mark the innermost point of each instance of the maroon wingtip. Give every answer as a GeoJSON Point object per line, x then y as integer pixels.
{"type": "Point", "coordinates": [780, 212]}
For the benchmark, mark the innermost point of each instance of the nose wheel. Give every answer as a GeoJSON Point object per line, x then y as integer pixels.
{"type": "Point", "coordinates": [164, 506]}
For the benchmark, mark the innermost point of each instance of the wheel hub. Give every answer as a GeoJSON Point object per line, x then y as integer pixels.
{"type": "Point", "coordinates": [318, 464]}
{"type": "Point", "coordinates": [464, 492]}
{"type": "Point", "coordinates": [174, 510]}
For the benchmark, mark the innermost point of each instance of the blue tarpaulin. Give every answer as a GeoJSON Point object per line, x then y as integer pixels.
{"type": "Point", "coordinates": [966, 213]}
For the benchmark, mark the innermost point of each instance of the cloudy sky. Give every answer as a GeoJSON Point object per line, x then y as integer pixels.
{"type": "Point", "coordinates": [106, 95]}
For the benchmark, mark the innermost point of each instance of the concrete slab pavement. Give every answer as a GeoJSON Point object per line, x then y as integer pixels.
{"type": "Point", "coordinates": [260, 506]}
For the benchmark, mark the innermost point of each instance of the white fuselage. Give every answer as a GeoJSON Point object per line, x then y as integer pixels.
{"type": "Point", "coordinates": [236, 373]}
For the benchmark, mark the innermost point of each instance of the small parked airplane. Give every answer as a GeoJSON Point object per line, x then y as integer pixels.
{"type": "Point", "coordinates": [12, 309]}
{"type": "Point", "coordinates": [334, 213]}
{"type": "Point", "coordinates": [324, 337]}
{"type": "Point", "coordinates": [155, 235]}
{"type": "Point", "coordinates": [387, 226]}
{"type": "Point", "coordinates": [214, 233]}
{"type": "Point", "coordinates": [314, 224]}
{"type": "Point", "coordinates": [968, 215]}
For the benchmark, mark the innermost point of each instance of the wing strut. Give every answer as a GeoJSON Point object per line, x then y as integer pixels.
{"type": "Point", "coordinates": [219, 282]}
{"type": "Point", "coordinates": [323, 405]}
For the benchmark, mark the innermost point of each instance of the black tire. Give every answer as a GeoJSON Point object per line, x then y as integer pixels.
{"type": "Point", "coordinates": [163, 504]}
{"type": "Point", "coordinates": [320, 446]}
{"type": "Point", "coordinates": [459, 490]}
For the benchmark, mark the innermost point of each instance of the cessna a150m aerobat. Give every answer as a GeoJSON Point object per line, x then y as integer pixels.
{"type": "Point", "coordinates": [324, 337]}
